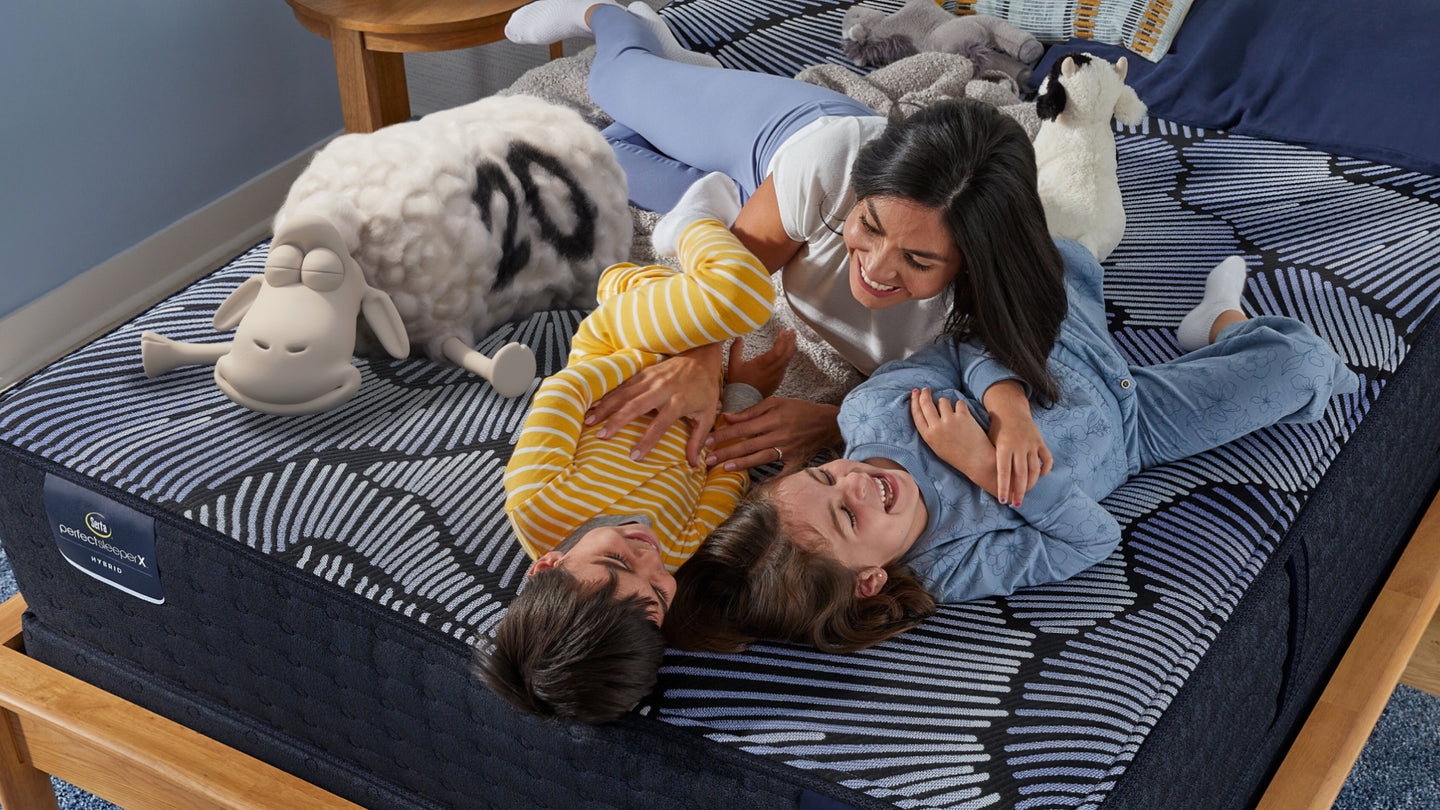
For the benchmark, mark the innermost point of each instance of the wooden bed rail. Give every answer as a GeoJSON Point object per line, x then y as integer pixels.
{"type": "Point", "coordinates": [51, 723]}
{"type": "Point", "coordinates": [1320, 758]}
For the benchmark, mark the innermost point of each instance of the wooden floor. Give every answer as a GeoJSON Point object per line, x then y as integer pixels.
{"type": "Point", "coordinates": [1423, 671]}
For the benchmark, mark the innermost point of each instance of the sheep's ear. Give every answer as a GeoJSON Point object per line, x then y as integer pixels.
{"type": "Point", "coordinates": [228, 315]}
{"type": "Point", "coordinates": [1121, 66]}
{"type": "Point", "coordinates": [384, 320]}
{"type": "Point", "coordinates": [1068, 67]}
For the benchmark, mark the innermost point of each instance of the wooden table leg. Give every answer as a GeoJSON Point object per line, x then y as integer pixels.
{"type": "Point", "coordinates": [373, 92]}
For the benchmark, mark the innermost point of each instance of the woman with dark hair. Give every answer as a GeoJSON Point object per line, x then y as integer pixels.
{"type": "Point", "coordinates": [886, 234]}
{"type": "Point", "coordinates": [851, 552]}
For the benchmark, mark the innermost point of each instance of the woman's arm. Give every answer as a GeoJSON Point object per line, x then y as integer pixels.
{"type": "Point", "coordinates": [797, 428]}
{"type": "Point", "coordinates": [1021, 456]}
{"type": "Point", "coordinates": [760, 228]}
{"type": "Point", "coordinates": [686, 386]}
{"type": "Point", "coordinates": [724, 292]}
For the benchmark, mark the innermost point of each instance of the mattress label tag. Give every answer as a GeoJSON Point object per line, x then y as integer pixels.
{"type": "Point", "coordinates": [111, 542]}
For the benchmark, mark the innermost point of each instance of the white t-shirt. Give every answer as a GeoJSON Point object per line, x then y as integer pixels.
{"type": "Point", "coordinates": [811, 172]}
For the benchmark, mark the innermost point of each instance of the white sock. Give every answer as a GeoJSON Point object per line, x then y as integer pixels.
{"type": "Point", "coordinates": [670, 47]}
{"type": "Point", "coordinates": [545, 21]}
{"type": "Point", "coordinates": [1223, 289]}
{"type": "Point", "coordinates": [713, 196]}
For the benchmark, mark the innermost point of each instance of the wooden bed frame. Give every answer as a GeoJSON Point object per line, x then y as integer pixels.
{"type": "Point", "coordinates": [52, 723]}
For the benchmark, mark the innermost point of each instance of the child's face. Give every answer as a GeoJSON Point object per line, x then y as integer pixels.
{"type": "Point", "coordinates": [900, 250]}
{"type": "Point", "coordinates": [631, 552]}
{"type": "Point", "coordinates": [865, 514]}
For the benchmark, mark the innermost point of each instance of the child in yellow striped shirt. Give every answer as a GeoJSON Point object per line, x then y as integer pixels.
{"type": "Point", "coordinates": [582, 638]}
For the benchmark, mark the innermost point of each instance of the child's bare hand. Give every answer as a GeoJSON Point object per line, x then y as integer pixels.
{"type": "Point", "coordinates": [764, 371]}
{"type": "Point", "coordinates": [952, 432]}
{"type": "Point", "coordinates": [1021, 456]}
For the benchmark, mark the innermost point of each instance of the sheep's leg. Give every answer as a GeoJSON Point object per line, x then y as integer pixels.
{"type": "Point", "coordinates": [159, 354]}
{"type": "Point", "coordinates": [510, 371]}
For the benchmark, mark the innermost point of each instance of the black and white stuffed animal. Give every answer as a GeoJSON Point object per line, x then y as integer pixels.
{"type": "Point", "coordinates": [436, 231]}
{"type": "Point", "coordinates": [1075, 149]}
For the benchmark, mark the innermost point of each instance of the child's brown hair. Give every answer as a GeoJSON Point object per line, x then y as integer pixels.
{"type": "Point", "coordinates": [751, 579]}
{"type": "Point", "coordinates": [565, 650]}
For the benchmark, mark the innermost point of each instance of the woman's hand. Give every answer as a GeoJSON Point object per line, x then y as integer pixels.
{"type": "Point", "coordinates": [1021, 456]}
{"type": "Point", "coordinates": [952, 432]}
{"type": "Point", "coordinates": [763, 372]}
{"type": "Point", "coordinates": [686, 386]}
{"type": "Point", "coordinates": [797, 428]}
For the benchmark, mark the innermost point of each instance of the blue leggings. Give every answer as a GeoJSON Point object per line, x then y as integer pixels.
{"type": "Point", "coordinates": [1258, 372]}
{"type": "Point", "coordinates": [676, 122]}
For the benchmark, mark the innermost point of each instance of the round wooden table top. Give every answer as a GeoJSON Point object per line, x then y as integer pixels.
{"type": "Point", "coordinates": [406, 16]}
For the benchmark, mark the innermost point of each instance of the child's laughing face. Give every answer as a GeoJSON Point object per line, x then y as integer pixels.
{"type": "Point", "coordinates": [866, 515]}
{"type": "Point", "coordinates": [631, 553]}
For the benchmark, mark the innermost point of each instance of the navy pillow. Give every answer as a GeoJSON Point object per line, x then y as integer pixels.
{"type": "Point", "coordinates": [1354, 79]}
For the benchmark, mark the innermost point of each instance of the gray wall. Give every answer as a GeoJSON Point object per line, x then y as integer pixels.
{"type": "Point", "coordinates": [117, 119]}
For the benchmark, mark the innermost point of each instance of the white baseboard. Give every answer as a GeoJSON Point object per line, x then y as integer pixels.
{"type": "Point", "coordinates": [129, 282]}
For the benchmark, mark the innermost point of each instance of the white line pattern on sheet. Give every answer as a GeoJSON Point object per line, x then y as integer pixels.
{"type": "Point", "coordinates": [396, 496]}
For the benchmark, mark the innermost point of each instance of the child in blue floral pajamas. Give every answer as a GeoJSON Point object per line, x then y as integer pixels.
{"type": "Point", "coordinates": [844, 554]}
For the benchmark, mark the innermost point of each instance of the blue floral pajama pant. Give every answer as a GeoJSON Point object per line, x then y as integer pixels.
{"type": "Point", "coordinates": [1259, 372]}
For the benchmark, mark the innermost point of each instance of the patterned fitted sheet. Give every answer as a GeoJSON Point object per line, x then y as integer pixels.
{"type": "Point", "coordinates": [1038, 699]}
{"type": "Point", "coordinates": [1043, 695]}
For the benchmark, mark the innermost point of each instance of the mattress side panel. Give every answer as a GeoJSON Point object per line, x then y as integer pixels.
{"type": "Point", "coordinates": [333, 689]}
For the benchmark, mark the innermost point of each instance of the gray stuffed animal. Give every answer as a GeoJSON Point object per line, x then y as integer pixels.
{"type": "Point", "coordinates": [869, 37]}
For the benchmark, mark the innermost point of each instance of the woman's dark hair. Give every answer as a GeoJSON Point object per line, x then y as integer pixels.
{"type": "Point", "coordinates": [750, 580]}
{"type": "Point", "coordinates": [567, 650]}
{"type": "Point", "coordinates": [977, 166]}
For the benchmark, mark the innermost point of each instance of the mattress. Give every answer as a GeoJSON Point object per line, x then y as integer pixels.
{"type": "Point", "coordinates": [322, 579]}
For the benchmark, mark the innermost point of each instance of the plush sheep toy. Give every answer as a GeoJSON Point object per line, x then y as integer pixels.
{"type": "Point", "coordinates": [1075, 149]}
{"type": "Point", "coordinates": [436, 231]}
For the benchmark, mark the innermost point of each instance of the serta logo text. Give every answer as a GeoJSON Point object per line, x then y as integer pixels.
{"type": "Point", "coordinates": [96, 523]}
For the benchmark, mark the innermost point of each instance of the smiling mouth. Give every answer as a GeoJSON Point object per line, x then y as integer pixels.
{"type": "Point", "coordinates": [874, 287]}
{"type": "Point", "coordinates": [648, 541]}
{"type": "Point", "coordinates": [887, 491]}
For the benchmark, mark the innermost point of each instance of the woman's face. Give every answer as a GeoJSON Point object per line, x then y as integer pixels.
{"type": "Point", "coordinates": [900, 250]}
{"type": "Point", "coordinates": [865, 515]}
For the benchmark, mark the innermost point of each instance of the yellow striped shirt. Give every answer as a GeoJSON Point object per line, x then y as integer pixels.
{"type": "Point", "coordinates": [561, 474]}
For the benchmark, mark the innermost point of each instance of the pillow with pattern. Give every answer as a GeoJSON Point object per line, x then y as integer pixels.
{"type": "Point", "coordinates": [1144, 26]}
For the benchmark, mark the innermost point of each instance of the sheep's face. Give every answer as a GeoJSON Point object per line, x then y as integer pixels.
{"type": "Point", "coordinates": [292, 351]}
{"type": "Point", "coordinates": [295, 326]}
